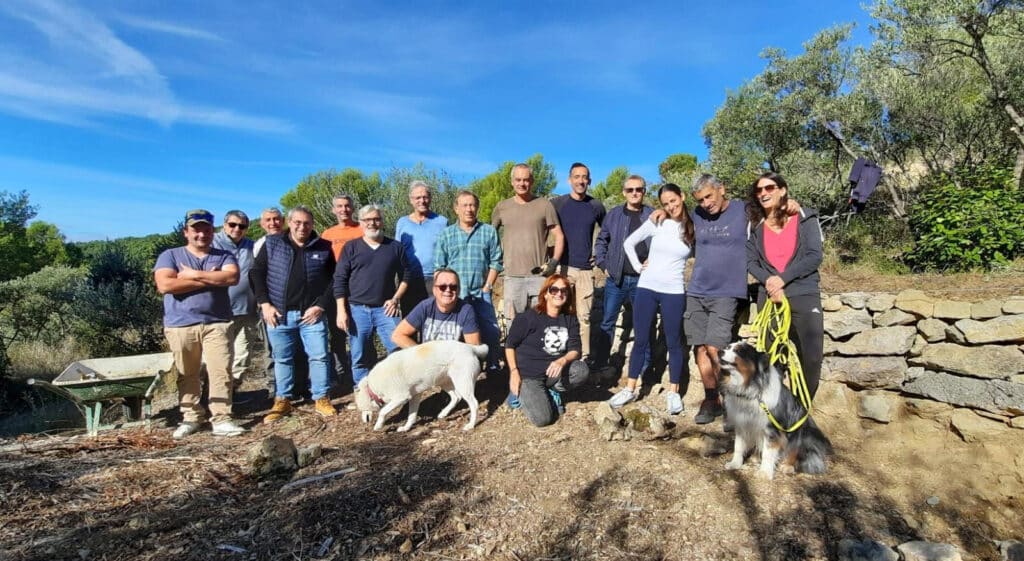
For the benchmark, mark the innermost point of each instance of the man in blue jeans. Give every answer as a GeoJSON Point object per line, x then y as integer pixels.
{"type": "Point", "coordinates": [620, 287]}
{"type": "Point", "coordinates": [364, 285]}
{"type": "Point", "coordinates": [291, 277]}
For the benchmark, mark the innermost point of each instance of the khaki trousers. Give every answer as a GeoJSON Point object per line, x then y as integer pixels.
{"type": "Point", "coordinates": [244, 336]}
{"type": "Point", "coordinates": [583, 285]}
{"type": "Point", "coordinates": [188, 345]}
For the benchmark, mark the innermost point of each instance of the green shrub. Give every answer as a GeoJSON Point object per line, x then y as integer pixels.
{"type": "Point", "coordinates": [976, 222]}
{"type": "Point", "coordinates": [874, 237]}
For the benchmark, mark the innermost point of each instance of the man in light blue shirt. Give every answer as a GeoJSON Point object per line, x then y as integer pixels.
{"type": "Point", "coordinates": [418, 232]}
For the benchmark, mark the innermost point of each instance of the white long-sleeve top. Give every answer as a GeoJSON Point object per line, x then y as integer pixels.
{"type": "Point", "coordinates": [666, 262]}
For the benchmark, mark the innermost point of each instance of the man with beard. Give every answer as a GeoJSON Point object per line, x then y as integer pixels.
{"type": "Point", "coordinates": [418, 232]}
{"type": "Point", "coordinates": [442, 317]}
{"type": "Point", "coordinates": [292, 280]}
{"type": "Point", "coordinates": [364, 286]}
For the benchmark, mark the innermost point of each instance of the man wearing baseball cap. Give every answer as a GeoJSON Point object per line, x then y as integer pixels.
{"type": "Point", "coordinates": [194, 280]}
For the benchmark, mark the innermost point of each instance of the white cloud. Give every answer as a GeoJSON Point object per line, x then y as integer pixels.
{"type": "Point", "coordinates": [168, 28]}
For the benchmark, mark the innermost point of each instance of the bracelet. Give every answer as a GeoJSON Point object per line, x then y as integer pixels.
{"type": "Point", "coordinates": [514, 368]}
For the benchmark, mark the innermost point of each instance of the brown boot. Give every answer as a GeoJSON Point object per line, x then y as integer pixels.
{"type": "Point", "coordinates": [324, 408]}
{"type": "Point", "coordinates": [281, 408]}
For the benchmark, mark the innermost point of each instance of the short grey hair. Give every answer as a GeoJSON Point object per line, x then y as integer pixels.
{"type": "Point", "coordinates": [706, 180]}
{"type": "Point", "coordinates": [271, 210]}
{"type": "Point", "coordinates": [345, 196]}
{"type": "Point", "coordinates": [236, 214]}
{"type": "Point", "coordinates": [300, 208]}
{"type": "Point", "coordinates": [367, 209]}
{"type": "Point", "coordinates": [643, 182]}
{"type": "Point", "coordinates": [416, 184]}
{"type": "Point", "coordinates": [512, 172]}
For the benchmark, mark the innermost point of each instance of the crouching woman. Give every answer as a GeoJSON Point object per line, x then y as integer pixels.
{"type": "Point", "coordinates": [542, 351]}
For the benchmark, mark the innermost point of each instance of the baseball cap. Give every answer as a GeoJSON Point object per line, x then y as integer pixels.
{"type": "Point", "coordinates": [198, 215]}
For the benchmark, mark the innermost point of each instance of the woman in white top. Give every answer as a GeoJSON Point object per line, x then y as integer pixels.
{"type": "Point", "coordinates": [660, 286]}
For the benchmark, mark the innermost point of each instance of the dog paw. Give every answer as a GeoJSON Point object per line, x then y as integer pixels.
{"type": "Point", "coordinates": [378, 428]}
{"type": "Point", "coordinates": [787, 469]}
{"type": "Point", "coordinates": [404, 428]}
{"type": "Point", "coordinates": [768, 474]}
{"type": "Point", "coordinates": [733, 465]}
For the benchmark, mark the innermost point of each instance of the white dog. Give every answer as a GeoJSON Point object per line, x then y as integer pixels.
{"type": "Point", "coordinates": [404, 375]}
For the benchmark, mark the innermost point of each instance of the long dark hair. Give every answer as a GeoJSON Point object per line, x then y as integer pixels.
{"type": "Point", "coordinates": [686, 227]}
{"type": "Point", "coordinates": [755, 212]}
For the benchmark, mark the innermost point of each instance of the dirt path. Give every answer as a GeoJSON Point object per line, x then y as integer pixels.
{"type": "Point", "coordinates": [505, 491]}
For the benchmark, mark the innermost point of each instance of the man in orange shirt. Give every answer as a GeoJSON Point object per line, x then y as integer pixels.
{"type": "Point", "coordinates": [347, 229]}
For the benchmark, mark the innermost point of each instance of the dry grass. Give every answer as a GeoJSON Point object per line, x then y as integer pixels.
{"type": "Point", "coordinates": [36, 359]}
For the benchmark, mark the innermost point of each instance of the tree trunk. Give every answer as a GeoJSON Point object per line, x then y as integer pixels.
{"type": "Point", "coordinates": [1018, 131]}
{"type": "Point", "coordinates": [1018, 168]}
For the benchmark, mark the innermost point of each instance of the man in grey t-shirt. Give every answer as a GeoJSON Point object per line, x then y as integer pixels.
{"type": "Point", "coordinates": [194, 280]}
{"type": "Point", "coordinates": [244, 332]}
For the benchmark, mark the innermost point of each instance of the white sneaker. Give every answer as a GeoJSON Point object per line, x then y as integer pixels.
{"type": "Point", "coordinates": [673, 403]}
{"type": "Point", "coordinates": [227, 428]}
{"type": "Point", "coordinates": [185, 429]}
{"type": "Point", "coordinates": [624, 396]}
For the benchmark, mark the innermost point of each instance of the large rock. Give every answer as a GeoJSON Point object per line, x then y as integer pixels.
{"type": "Point", "coordinates": [951, 309]}
{"type": "Point", "coordinates": [955, 335]}
{"type": "Point", "coordinates": [880, 303]}
{"type": "Point", "coordinates": [1003, 329]}
{"type": "Point", "coordinates": [1012, 550]}
{"type": "Point", "coordinates": [933, 330]}
{"type": "Point", "coordinates": [974, 428]}
{"type": "Point", "coordinates": [832, 303]}
{"type": "Point", "coordinates": [893, 317]}
{"type": "Point", "coordinates": [866, 371]}
{"type": "Point", "coordinates": [867, 550]}
{"type": "Point", "coordinates": [273, 454]}
{"type": "Point", "coordinates": [989, 361]}
{"type": "Point", "coordinates": [846, 321]}
{"type": "Point", "coordinates": [855, 300]}
{"type": "Point", "coordinates": [915, 302]}
{"type": "Point", "coordinates": [928, 409]}
{"type": "Point", "coordinates": [877, 406]}
{"type": "Point", "coordinates": [1014, 305]}
{"type": "Point", "coordinates": [997, 396]}
{"type": "Point", "coordinates": [987, 310]}
{"type": "Point", "coordinates": [929, 551]}
{"type": "Point", "coordinates": [880, 341]}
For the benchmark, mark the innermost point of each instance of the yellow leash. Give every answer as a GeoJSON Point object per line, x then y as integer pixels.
{"type": "Point", "coordinates": [774, 320]}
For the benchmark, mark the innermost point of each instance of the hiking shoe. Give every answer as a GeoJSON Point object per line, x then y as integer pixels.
{"type": "Point", "coordinates": [556, 396]}
{"type": "Point", "coordinates": [513, 401]}
{"type": "Point", "coordinates": [624, 396]}
{"type": "Point", "coordinates": [324, 407]}
{"type": "Point", "coordinates": [709, 409]}
{"type": "Point", "coordinates": [227, 428]}
{"type": "Point", "coordinates": [185, 429]}
{"type": "Point", "coordinates": [281, 408]}
{"type": "Point", "coordinates": [673, 403]}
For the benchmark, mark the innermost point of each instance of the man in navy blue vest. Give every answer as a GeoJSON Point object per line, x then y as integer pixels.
{"type": "Point", "coordinates": [581, 216]}
{"type": "Point", "coordinates": [292, 280]}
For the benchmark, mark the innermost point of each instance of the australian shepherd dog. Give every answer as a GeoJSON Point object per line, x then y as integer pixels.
{"type": "Point", "coordinates": [746, 381]}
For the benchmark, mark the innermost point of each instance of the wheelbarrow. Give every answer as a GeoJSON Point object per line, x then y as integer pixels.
{"type": "Point", "coordinates": [131, 380]}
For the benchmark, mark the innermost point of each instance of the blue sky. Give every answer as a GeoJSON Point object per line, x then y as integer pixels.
{"type": "Point", "coordinates": [118, 116]}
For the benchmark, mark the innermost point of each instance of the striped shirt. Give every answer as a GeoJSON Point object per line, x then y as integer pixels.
{"type": "Point", "coordinates": [471, 255]}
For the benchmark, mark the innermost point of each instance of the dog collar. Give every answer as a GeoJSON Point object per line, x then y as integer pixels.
{"type": "Point", "coordinates": [376, 398]}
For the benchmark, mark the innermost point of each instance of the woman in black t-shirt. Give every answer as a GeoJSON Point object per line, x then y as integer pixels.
{"type": "Point", "coordinates": [542, 351]}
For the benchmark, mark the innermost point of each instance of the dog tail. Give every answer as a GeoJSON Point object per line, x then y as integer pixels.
{"type": "Point", "coordinates": [480, 351]}
{"type": "Point", "coordinates": [814, 448]}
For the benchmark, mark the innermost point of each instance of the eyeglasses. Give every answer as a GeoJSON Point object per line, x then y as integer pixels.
{"type": "Point", "coordinates": [237, 225]}
{"type": "Point", "coordinates": [447, 287]}
{"type": "Point", "coordinates": [770, 188]}
{"type": "Point", "coordinates": [634, 189]}
{"type": "Point", "coordinates": [555, 290]}
{"type": "Point", "coordinates": [371, 220]}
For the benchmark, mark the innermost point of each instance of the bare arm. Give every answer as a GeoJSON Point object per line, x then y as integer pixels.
{"type": "Point", "coordinates": [556, 230]}
{"type": "Point", "coordinates": [227, 276]}
{"type": "Point", "coordinates": [404, 334]}
{"type": "Point", "coordinates": [168, 282]}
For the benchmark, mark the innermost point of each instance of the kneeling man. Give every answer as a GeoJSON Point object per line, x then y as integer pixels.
{"type": "Point", "coordinates": [442, 317]}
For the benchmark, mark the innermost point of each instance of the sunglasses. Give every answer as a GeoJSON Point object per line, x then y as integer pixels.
{"type": "Point", "coordinates": [447, 287]}
{"type": "Point", "coordinates": [770, 188]}
{"type": "Point", "coordinates": [634, 189]}
{"type": "Point", "coordinates": [558, 290]}
{"type": "Point", "coordinates": [237, 225]}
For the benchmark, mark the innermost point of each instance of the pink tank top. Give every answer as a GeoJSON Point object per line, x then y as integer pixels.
{"type": "Point", "coordinates": [780, 247]}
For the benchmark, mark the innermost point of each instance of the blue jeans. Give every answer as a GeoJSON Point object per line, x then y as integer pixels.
{"type": "Point", "coordinates": [366, 320]}
{"type": "Point", "coordinates": [646, 307]}
{"type": "Point", "coordinates": [487, 321]}
{"type": "Point", "coordinates": [614, 298]}
{"type": "Point", "coordinates": [314, 339]}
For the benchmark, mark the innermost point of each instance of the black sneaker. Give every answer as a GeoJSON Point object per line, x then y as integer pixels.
{"type": "Point", "coordinates": [709, 410]}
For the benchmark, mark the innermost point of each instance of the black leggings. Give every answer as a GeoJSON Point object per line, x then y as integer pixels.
{"type": "Point", "coordinates": [807, 331]}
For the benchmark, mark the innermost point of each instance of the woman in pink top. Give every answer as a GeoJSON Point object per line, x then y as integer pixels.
{"type": "Point", "coordinates": [783, 254]}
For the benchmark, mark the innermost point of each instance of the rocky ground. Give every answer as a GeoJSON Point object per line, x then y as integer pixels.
{"type": "Point", "coordinates": [512, 492]}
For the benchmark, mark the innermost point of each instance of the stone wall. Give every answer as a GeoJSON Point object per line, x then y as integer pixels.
{"type": "Point", "coordinates": [898, 350]}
